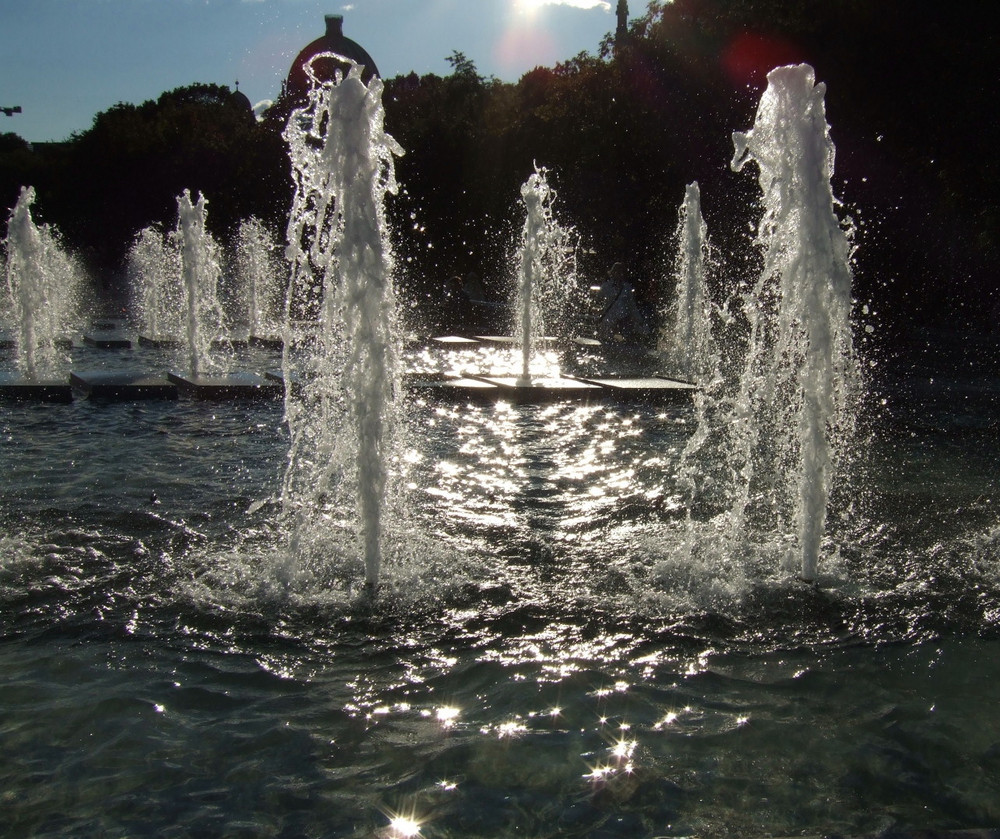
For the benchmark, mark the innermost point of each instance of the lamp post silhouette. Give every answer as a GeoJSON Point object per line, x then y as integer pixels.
{"type": "Point", "coordinates": [11, 110]}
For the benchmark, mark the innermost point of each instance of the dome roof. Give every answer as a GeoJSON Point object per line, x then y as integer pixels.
{"type": "Point", "coordinates": [239, 100]}
{"type": "Point", "coordinates": [333, 41]}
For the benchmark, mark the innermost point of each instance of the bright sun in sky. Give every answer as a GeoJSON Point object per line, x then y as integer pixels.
{"type": "Point", "coordinates": [532, 7]}
{"type": "Point", "coordinates": [528, 8]}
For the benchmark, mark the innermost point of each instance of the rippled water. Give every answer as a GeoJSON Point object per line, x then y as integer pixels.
{"type": "Point", "coordinates": [537, 664]}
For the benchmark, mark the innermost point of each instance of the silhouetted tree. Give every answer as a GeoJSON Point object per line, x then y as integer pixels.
{"type": "Point", "coordinates": [131, 165]}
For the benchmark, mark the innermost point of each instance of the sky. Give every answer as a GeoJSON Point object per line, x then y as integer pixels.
{"type": "Point", "coordinates": [63, 61]}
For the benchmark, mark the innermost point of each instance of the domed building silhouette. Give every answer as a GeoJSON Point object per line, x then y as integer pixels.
{"type": "Point", "coordinates": [333, 41]}
{"type": "Point", "coordinates": [238, 99]}
{"type": "Point", "coordinates": [296, 85]}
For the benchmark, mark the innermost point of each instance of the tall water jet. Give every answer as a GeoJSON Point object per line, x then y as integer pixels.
{"type": "Point", "coordinates": [343, 423]}
{"type": "Point", "coordinates": [42, 283]}
{"type": "Point", "coordinates": [154, 267]}
{"type": "Point", "coordinates": [689, 344]}
{"type": "Point", "coordinates": [258, 272]}
{"type": "Point", "coordinates": [546, 276]}
{"type": "Point", "coordinates": [200, 270]}
{"type": "Point", "coordinates": [801, 381]}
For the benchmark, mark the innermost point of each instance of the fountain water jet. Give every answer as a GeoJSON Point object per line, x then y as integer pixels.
{"type": "Point", "coordinates": [342, 425]}
{"type": "Point", "coordinates": [257, 270]}
{"type": "Point", "coordinates": [155, 273]}
{"type": "Point", "coordinates": [200, 271]}
{"type": "Point", "coordinates": [546, 269]}
{"type": "Point", "coordinates": [42, 283]}
{"type": "Point", "coordinates": [689, 344]}
{"type": "Point", "coordinates": [801, 381]}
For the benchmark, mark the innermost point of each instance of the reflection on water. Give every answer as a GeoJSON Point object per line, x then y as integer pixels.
{"type": "Point", "coordinates": [543, 667]}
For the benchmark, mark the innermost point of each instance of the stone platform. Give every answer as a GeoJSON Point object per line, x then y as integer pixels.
{"type": "Point", "coordinates": [230, 342]}
{"type": "Point", "coordinates": [550, 389]}
{"type": "Point", "coordinates": [544, 390]}
{"type": "Point", "coordinates": [543, 341]}
{"type": "Point", "coordinates": [267, 342]}
{"type": "Point", "coordinates": [454, 388]}
{"type": "Point", "coordinates": [455, 341]}
{"type": "Point", "coordinates": [107, 341]}
{"type": "Point", "coordinates": [645, 388]}
{"type": "Point", "coordinates": [122, 387]}
{"type": "Point", "coordinates": [475, 386]}
{"type": "Point", "coordinates": [15, 388]}
{"type": "Point", "coordinates": [159, 342]}
{"type": "Point", "coordinates": [227, 386]}
{"type": "Point", "coordinates": [296, 381]}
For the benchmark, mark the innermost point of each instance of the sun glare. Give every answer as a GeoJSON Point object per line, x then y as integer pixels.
{"type": "Point", "coordinates": [528, 8]}
{"type": "Point", "coordinates": [531, 7]}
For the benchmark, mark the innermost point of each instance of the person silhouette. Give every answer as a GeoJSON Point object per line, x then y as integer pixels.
{"type": "Point", "coordinates": [620, 320]}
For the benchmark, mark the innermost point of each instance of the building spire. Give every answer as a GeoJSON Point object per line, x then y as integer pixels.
{"type": "Point", "coordinates": [621, 33]}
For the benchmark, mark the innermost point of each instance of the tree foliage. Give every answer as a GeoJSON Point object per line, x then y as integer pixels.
{"type": "Point", "coordinates": [126, 171]}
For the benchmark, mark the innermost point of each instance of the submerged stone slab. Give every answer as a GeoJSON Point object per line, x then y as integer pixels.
{"type": "Point", "coordinates": [453, 388]}
{"type": "Point", "coordinates": [231, 342]}
{"type": "Point", "coordinates": [160, 342]}
{"type": "Point", "coordinates": [682, 382]}
{"type": "Point", "coordinates": [297, 380]}
{"type": "Point", "coordinates": [515, 340]}
{"type": "Point", "coordinates": [108, 341]}
{"type": "Point", "coordinates": [499, 340]}
{"type": "Point", "coordinates": [122, 387]}
{"type": "Point", "coordinates": [227, 386]}
{"type": "Point", "coordinates": [653, 387]}
{"type": "Point", "coordinates": [15, 388]}
{"type": "Point", "coordinates": [551, 389]}
{"type": "Point", "coordinates": [455, 341]}
{"type": "Point", "coordinates": [109, 324]}
{"type": "Point", "coordinates": [540, 390]}
{"type": "Point", "coordinates": [267, 342]}
{"type": "Point", "coordinates": [9, 342]}
{"type": "Point", "coordinates": [279, 377]}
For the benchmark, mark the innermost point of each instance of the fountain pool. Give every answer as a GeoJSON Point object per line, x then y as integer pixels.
{"type": "Point", "coordinates": [538, 671]}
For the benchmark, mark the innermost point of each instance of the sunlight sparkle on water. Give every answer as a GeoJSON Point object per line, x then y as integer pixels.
{"type": "Point", "coordinates": [507, 730]}
{"type": "Point", "coordinates": [619, 687]}
{"type": "Point", "coordinates": [599, 773]}
{"type": "Point", "coordinates": [623, 749]}
{"type": "Point", "coordinates": [669, 719]}
{"type": "Point", "coordinates": [403, 827]}
{"type": "Point", "coordinates": [447, 716]}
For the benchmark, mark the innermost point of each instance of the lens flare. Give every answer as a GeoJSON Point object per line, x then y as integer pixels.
{"type": "Point", "coordinates": [403, 827]}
